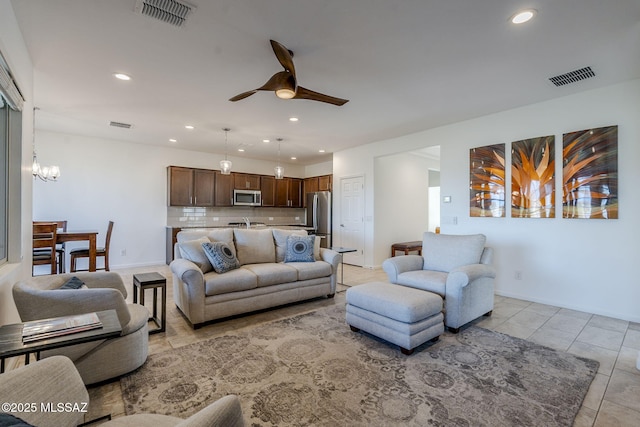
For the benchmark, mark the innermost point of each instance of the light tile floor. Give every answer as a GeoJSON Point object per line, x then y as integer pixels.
{"type": "Point", "coordinates": [612, 400]}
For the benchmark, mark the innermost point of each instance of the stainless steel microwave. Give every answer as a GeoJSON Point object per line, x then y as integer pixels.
{"type": "Point", "coordinates": [247, 198]}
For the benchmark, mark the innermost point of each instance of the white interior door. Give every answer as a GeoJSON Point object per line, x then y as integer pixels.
{"type": "Point", "coordinates": [352, 218]}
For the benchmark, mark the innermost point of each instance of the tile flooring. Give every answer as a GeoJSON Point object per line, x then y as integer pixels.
{"type": "Point", "coordinates": [613, 399]}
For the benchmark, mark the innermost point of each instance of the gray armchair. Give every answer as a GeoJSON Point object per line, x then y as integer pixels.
{"type": "Point", "coordinates": [456, 267]}
{"type": "Point", "coordinates": [40, 298]}
{"type": "Point", "coordinates": [55, 380]}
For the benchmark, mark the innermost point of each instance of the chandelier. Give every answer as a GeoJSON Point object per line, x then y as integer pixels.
{"type": "Point", "coordinates": [45, 173]}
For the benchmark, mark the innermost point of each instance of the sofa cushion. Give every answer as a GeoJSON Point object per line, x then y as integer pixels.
{"type": "Point", "coordinates": [254, 246]}
{"type": "Point", "coordinates": [272, 274]}
{"type": "Point", "coordinates": [192, 250]}
{"type": "Point", "coordinates": [232, 281]}
{"type": "Point", "coordinates": [280, 238]}
{"type": "Point", "coordinates": [223, 235]}
{"type": "Point", "coordinates": [220, 256]}
{"type": "Point", "coordinates": [444, 252]}
{"type": "Point", "coordinates": [299, 249]}
{"type": "Point", "coordinates": [311, 270]}
{"type": "Point", "coordinates": [427, 280]}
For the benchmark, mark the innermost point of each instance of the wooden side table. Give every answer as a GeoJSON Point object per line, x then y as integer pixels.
{"type": "Point", "coordinates": [407, 247]}
{"type": "Point", "coordinates": [144, 281]}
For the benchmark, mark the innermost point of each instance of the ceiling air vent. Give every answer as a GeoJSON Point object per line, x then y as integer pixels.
{"type": "Point", "coordinates": [573, 76]}
{"type": "Point", "coordinates": [120, 125]}
{"type": "Point", "coordinates": [170, 11]}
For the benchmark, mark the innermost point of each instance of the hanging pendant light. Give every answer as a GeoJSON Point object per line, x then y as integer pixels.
{"type": "Point", "coordinates": [44, 173]}
{"type": "Point", "coordinates": [225, 165]}
{"type": "Point", "coordinates": [279, 170]}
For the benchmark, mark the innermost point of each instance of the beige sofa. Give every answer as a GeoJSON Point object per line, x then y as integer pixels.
{"type": "Point", "coordinates": [262, 281]}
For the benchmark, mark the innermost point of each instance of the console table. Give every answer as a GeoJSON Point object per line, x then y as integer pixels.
{"type": "Point", "coordinates": [407, 247]}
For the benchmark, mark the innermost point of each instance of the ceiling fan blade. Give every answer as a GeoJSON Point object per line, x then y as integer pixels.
{"type": "Point", "coordinates": [243, 95]}
{"type": "Point", "coordinates": [284, 56]}
{"type": "Point", "coordinates": [303, 93]}
{"type": "Point", "coordinates": [277, 81]}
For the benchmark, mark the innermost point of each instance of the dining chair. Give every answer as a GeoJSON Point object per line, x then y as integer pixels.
{"type": "Point", "coordinates": [44, 245]}
{"type": "Point", "coordinates": [60, 248]}
{"type": "Point", "coordinates": [100, 252]}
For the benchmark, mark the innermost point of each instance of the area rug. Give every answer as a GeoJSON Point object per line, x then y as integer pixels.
{"type": "Point", "coordinates": [311, 370]}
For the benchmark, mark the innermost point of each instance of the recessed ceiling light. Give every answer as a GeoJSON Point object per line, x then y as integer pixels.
{"type": "Point", "coordinates": [523, 16]}
{"type": "Point", "coordinates": [293, 119]}
{"type": "Point", "coordinates": [321, 150]}
{"type": "Point", "coordinates": [266, 140]}
{"type": "Point", "coordinates": [190, 127]}
{"type": "Point", "coordinates": [173, 140]}
{"type": "Point", "coordinates": [122, 76]}
{"type": "Point", "coordinates": [293, 158]}
{"type": "Point", "coordinates": [241, 150]}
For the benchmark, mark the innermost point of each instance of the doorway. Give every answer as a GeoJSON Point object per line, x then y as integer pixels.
{"type": "Point", "coordinates": [351, 223]}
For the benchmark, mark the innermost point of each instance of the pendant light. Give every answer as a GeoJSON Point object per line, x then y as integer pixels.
{"type": "Point", "coordinates": [44, 173]}
{"type": "Point", "coordinates": [225, 165]}
{"type": "Point", "coordinates": [279, 170]}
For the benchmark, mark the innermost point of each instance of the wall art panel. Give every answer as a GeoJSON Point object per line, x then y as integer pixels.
{"type": "Point", "coordinates": [487, 181]}
{"type": "Point", "coordinates": [533, 178]}
{"type": "Point", "coordinates": [590, 173]}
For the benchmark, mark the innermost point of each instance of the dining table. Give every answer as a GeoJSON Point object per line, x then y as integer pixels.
{"type": "Point", "coordinates": [81, 236]}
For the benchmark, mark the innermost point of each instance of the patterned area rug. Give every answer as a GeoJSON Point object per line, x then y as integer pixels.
{"type": "Point", "coordinates": [312, 370]}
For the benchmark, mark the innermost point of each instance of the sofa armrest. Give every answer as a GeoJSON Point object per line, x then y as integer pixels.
{"type": "Point", "coordinates": [224, 412]}
{"type": "Point", "coordinates": [397, 265]}
{"type": "Point", "coordinates": [462, 276]}
{"type": "Point", "coordinates": [49, 381]}
{"type": "Point", "coordinates": [36, 304]}
{"type": "Point", "coordinates": [103, 280]}
{"type": "Point", "coordinates": [333, 258]}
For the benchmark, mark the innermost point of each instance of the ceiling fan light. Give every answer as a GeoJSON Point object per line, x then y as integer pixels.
{"type": "Point", "coordinates": [285, 93]}
{"type": "Point", "coordinates": [225, 167]}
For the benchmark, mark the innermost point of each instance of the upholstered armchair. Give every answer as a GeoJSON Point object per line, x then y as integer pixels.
{"type": "Point", "coordinates": [55, 380]}
{"type": "Point", "coordinates": [41, 298]}
{"type": "Point", "coordinates": [456, 267]}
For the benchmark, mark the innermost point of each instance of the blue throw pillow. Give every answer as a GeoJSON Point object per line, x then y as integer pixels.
{"type": "Point", "coordinates": [299, 249]}
{"type": "Point", "coordinates": [73, 283]}
{"type": "Point", "coordinates": [220, 256]}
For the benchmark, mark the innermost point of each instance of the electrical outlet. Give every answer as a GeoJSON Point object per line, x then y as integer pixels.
{"type": "Point", "coordinates": [455, 220]}
{"type": "Point", "coordinates": [518, 275]}
{"type": "Point", "coordinates": [297, 218]}
{"type": "Point", "coordinates": [215, 218]}
{"type": "Point", "coordinates": [123, 252]}
{"type": "Point", "coordinates": [270, 218]}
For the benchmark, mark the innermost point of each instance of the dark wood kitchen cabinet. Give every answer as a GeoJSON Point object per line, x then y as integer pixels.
{"type": "Point", "coordinates": [190, 187]}
{"type": "Point", "coordinates": [268, 189]}
{"type": "Point", "coordinates": [224, 189]}
{"type": "Point", "coordinates": [325, 183]}
{"type": "Point", "coordinates": [289, 192]}
{"type": "Point", "coordinates": [246, 181]}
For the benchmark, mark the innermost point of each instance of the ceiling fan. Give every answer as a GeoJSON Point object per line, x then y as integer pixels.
{"type": "Point", "coordinates": [285, 84]}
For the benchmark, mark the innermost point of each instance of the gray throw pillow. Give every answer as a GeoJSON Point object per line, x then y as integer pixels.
{"type": "Point", "coordinates": [299, 249]}
{"type": "Point", "coordinates": [192, 251]}
{"type": "Point", "coordinates": [220, 256]}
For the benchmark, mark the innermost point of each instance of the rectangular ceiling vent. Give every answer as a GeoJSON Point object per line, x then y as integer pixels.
{"type": "Point", "coordinates": [120, 125]}
{"type": "Point", "coordinates": [573, 76]}
{"type": "Point", "coordinates": [170, 11]}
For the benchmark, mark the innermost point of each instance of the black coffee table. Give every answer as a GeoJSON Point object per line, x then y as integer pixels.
{"type": "Point", "coordinates": [11, 344]}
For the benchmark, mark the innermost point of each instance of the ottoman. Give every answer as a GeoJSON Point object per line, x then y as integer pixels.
{"type": "Point", "coordinates": [404, 316]}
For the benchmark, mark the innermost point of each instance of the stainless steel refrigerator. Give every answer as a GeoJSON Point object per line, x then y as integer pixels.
{"type": "Point", "coordinates": [319, 216]}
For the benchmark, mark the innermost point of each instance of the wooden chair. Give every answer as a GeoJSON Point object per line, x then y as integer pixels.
{"type": "Point", "coordinates": [60, 248]}
{"type": "Point", "coordinates": [100, 252]}
{"type": "Point", "coordinates": [44, 245]}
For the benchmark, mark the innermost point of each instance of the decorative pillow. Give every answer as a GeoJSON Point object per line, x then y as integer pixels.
{"type": "Point", "coordinates": [73, 283]}
{"type": "Point", "coordinates": [9, 420]}
{"type": "Point", "coordinates": [193, 251]}
{"type": "Point", "coordinates": [220, 256]}
{"type": "Point", "coordinates": [280, 237]}
{"type": "Point", "coordinates": [300, 249]}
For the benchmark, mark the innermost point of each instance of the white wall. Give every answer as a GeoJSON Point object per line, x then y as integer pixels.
{"type": "Point", "coordinates": [14, 51]}
{"type": "Point", "coordinates": [402, 182]}
{"type": "Point", "coordinates": [103, 180]}
{"type": "Point", "coordinates": [585, 265]}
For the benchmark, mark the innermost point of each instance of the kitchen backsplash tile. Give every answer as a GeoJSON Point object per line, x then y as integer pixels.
{"type": "Point", "coordinates": [220, 217]}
